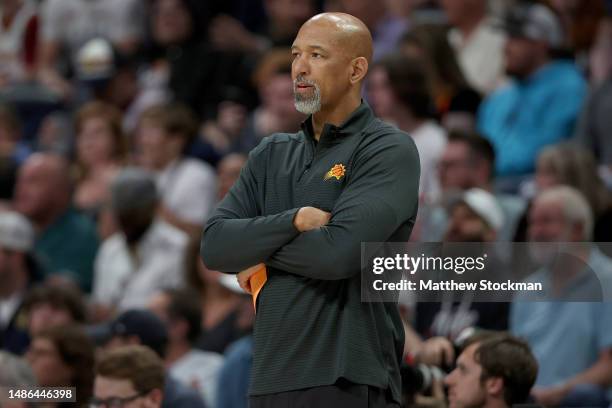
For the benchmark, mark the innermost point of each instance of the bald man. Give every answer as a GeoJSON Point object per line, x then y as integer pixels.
{"type": "Point", "coordinates": [67, 240]}
{"type": "Point", "coordinates": [302, 206]}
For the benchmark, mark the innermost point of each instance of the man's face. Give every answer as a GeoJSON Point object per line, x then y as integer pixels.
{"type": "Point", "coordinates": [35, 189]}
{"type": "Point", "coordinates": [321, 68]}
{"type": "Point", "coordinates": [455, 169]}
{"type": "Point", "coordinates": [152, 145]}
{"type": "Point", "coordinates": [465, 390]}
{"type": "Point", "coordinates": [47, 364]}
{"type": "Point", "coordinates": [123, 393]}
{"type": "Point", "coordinates": [172, 23]}
{"type": "Point", "coordinates": [521, 54]}
{"type": "Point", "coordinates": [466, 226]}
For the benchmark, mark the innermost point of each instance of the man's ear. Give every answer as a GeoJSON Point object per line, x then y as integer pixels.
{"type": "Point", "coordinates": [154, 398]}
{"type": "Point", "coordinates": [495, 386]}
{"type": "Point", "coordinates": [359, 69]}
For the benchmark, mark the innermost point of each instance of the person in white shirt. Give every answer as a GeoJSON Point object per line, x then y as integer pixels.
{"type": "Point", "coordinates": [399, 92]}
{"type": "Point", "coordinates": [187, 187]}
{"type": "Point", "coordinates": [478, 45]}
{"type": "Point", "coordinates": [180, 311]}
{"type": "Point", "coordinates": [146, 255]}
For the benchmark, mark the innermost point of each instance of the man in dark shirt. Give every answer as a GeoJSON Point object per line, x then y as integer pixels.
{"type": "Point", "coordinates": [302, 206]}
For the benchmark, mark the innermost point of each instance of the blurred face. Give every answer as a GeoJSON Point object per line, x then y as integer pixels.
{"type": "Point", "coordinates": [120, 393]}
{"type": "Point", "coordinates": [455, 171]}
{"type": "Point", "coordinates": [36, 189]}
{"type": "Point", "coordinates": [380, 93]}
{"type": "Point", "coordinates": [172, 23]}
{"type": "Point", "coordinates": [47, 364]}
{"type": "Point", "coordinates": [465, 390]}
{"type": "Point", "coordinates": [320, 69]}
{"type": "Point", "coordinates": [9, 262]}
{"type": "Point", "coordinates": [8, 140]}
{"type": "Point", "coordinates": [95, 142]}
{"type": "Point", "coordinates": [44, 316]}
{"type": "Point", "coordinates": [277, 95]}
{"type": "Point", "coordinates": [545, 176]}
{"type": "Point", "coordinates": [152, 146]}
{"type": "Point", "coordinates": [159, 304]}
{"type": "Point", "coordinates": [547, 223]}
{"type": "Point", "coordinates": [521, 56]}
{"type": "Point", "coordinates": [466, 226]}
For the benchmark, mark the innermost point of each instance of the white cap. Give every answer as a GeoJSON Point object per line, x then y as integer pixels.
{"type": "Point", "coordinates": [485, 205]}
{"type": "Point", "coordinates": [16, 232]}
{"type": "Point", "coordinates": [95, 60]}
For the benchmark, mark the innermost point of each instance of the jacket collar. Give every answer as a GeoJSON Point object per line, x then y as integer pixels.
{"type": "Point", "coordinates": [355, 123]}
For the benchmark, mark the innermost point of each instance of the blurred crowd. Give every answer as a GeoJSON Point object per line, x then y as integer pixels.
{"type": "Point", "coordinates": [124, 122]}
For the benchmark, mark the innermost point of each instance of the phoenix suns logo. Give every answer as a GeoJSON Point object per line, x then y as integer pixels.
{"type": "Point", "coordinates": [337, 171]}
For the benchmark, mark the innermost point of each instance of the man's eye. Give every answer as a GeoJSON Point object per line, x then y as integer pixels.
{"type": "Point", "coordinates": [316, 55]}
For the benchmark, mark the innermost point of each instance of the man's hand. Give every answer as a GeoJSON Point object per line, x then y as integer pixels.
{"type": "Point", "coordinates": [244, 276]}
{"type": "Point", "coordinates": [309, 218]}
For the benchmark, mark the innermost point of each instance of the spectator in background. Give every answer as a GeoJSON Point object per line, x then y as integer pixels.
{"type": "Point", "coordinates": [18, 41]}
{"type": "Point", "coordinates": [398, 90]}
{"type": "Point", "coordinates": [227, 311]}
{"type": "Point", "coordinates": [47, 307]}
{"type": "Point", "coordinates": [580, 20]}
{"type": "Point", "coordinates": [43, 195]}
{"type": "Point", "coordinates": [285, 17]}
{"type": "Point", "coordinates": [101, 150]}
{"type": "Point", "coordinates": [456, 103]}
{"type": "Point", "coordinates": [541, 104]}
{"type": "Point", "coordinates": [468, 161]}
{"type": "Point", "coordinates": [478, 44]}
{"type": "Point", "coordinates": [595, 121]}
{"type": "Point", "coordinates": [63, 356]}
{"type": "Point", "coordinates": [146, 255]}
{"type": "Point", "coordinates": [235, 375]}
{"type": "Point", "coordinates": [475, 218]}
{"type": "Point", "coordinates": [180, 60]}
{"type": "Point", "coordinates": [186, 186]}
{"type": "Point", "coordinates": [141, 327]}
{"type": "Point", "coordinates": [68, 24]}
{"type": "Point", "coordinates": [578, 331]}
{"type": "Point", "coordinates": [277, 112]}
{"type": "Point", "coordinates": [228, 171]}
{"type": "Point", "coordinates": [566, 164]}
{"type": "Point", "coordinates": [385, 27]}
{"type": "Point", "coordinates": [497, 370]}
{"type": "Point", "coordinates": [15, 374]}
{"type": "Point", "coordinates": [129, 376]}
{"type": "Point", "coordinates": [19, 271]}
{"type": "Point", "coordinates": [180, 311]}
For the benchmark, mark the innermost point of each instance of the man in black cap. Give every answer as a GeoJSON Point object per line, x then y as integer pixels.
{"type": "Point", "coordinates": [142, 327]}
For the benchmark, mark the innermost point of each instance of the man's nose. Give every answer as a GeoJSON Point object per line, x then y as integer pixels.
{"type": "Point", "coordinates": [300, 66]}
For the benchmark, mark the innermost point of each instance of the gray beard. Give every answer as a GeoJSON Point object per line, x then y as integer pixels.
{"type": "Point", "coordinates": [308, 105]}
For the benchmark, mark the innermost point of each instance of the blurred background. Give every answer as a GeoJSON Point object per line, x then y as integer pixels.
{"type": "Point", "coordinates": [124, 122]}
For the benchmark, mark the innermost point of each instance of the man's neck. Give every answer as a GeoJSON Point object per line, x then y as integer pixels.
{"type": "Point", "coordinates": [335, 115]}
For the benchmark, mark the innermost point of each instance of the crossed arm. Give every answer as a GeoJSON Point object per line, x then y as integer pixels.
{"type": "Point", "coordinates": [380, 196]}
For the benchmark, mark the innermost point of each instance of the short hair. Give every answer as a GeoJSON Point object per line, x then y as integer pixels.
{"type": "Point", "coordinates": [478, 146]}
{"type": "Point", "coordinates": [111, 116]}
{"type": "Point", "coordinates": [175, 118]}
{"type": "Point", "coordinates": [185, 304]}
{"type": "Point", "coordinates": [15, 372]}
{"type": "Point", "coordinates": [409, 82]}
{"type": "Point", "coordinates": [138, 364]}
{"type": "Point", "coordinates": [76, 350]}
{"type": "Point", "coordinates": [510, 358]}
{"type": "Point", "coordinates": [60, 297]}
{"type": "Point", "coordinates": [576, 208]}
